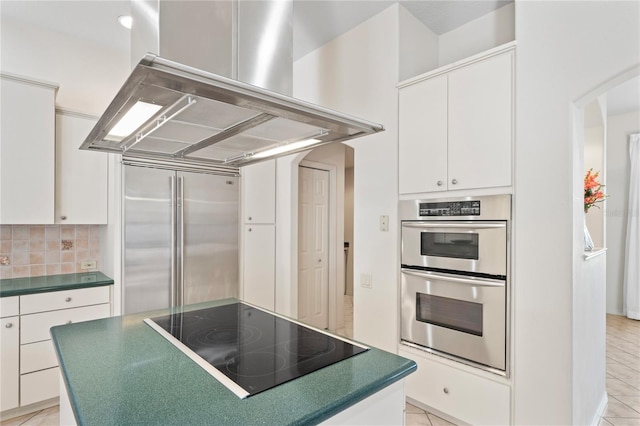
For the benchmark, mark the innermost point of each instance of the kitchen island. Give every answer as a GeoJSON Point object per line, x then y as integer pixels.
{"type": "Point", "coordinates": [120, 371]}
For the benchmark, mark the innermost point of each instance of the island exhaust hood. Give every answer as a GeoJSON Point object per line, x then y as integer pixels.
{"type": "Point", "coordinates": [169, 111]}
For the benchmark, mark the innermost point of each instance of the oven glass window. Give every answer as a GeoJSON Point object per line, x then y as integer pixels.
{"type": "Point", "coordinates": [449, 244]}
{"type": "Point", "coordinates": [455, 314]}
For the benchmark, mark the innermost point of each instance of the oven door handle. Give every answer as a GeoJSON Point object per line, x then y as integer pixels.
{"type": "Point", "coordinates": [472, 225]}
{"type": "Point", "coordinates": [484, 282]}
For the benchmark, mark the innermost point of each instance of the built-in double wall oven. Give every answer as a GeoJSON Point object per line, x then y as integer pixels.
{"type": "Point", "coordinates": [455, 278]}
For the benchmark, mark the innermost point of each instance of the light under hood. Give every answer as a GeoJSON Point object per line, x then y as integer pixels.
{"type": "Point", "coordinates": [197, 116]}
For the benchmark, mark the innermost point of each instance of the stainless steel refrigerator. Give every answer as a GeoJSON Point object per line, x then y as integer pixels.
{"type": "Point", "coordinates": [180, 238]}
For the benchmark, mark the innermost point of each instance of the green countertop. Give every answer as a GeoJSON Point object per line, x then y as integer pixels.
{"type": "Point", "coordinates": [22, 286]}
{"type": "Point", "coordinates": [119, 371]}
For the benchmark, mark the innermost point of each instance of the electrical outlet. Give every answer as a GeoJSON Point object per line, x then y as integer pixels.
{"type": "Point", "coordinates": [365, 280]}
{"type": "Point", "coordinates": [384, 223]}
{"type": "Point", "coordinates": [88, 264]}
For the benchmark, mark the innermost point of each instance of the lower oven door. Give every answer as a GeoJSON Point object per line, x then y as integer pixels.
{"type": "Point", "coordinates": [455, 315]}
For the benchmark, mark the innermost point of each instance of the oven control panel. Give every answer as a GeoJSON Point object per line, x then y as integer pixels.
{"type": "Point", "coordinates": [450, 208]}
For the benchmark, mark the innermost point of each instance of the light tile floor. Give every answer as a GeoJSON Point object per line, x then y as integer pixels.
{"type": "Point", "coordinates": [623, 380]}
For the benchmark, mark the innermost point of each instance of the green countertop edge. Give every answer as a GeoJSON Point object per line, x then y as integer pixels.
{"type": "Point", "coordinates": [373, 358]}
{"type": "Point", "coordinates": [48, 283]}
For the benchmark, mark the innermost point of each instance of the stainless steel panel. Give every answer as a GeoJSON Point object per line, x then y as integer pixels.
{"type": "Point", "coordinates": [210, 237]}
{"type": "Point", "coordinates": [148, 260]}
{"type": "Point", "coordinates": [493, 207]}
{"type": "Point", "coordinates": [492, 246]}
{"type": "Point", "coordinates": [265, 44]}
{"type": "Point", "coordinates": [488, 349]}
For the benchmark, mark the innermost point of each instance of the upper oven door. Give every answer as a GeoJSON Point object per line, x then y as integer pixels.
{"type": "Point", "coordinates": [471, 246]}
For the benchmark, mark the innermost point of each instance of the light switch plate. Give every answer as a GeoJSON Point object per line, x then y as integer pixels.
{"type": "Point", "coordinates": [365, 280]}
{"type": "Point", "coordinates": [88, 264]}
{"type": "Point", "coordinates": [384, 223]}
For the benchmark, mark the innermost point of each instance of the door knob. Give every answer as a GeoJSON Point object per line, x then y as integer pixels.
{"type": "Point", "coordinates": [9, 325]}
{"type": "Point", "coordinates": [68, 299]}
{"type": "Point", "coordinates": [454, 181]}
{"type": "Point", "coordinates": [319, 260]}
{"type": "Point", "coordinates": [445, 390]}
{"type": "Point", "coordinates": [63, 217]}
{"type": "Point", "coordinates": [69, 322]}
{"type": "Point", "coordinates": [439, 183]}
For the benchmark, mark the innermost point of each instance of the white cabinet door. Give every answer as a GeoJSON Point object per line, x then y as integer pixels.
{"type": "Point", "coordinates": [9, 357]}
{"type": "Point", "coordinates": [9, 306]}
{"type": "Point", "coordinates": [27, 151]}
{"type": "Point", "coordinates": [259, 192]}
{"type": "Point", "coordinates": [480, 129]}
{"type": "Point", "coordinates": [81, 176]}
{"type": "Point", "coordinates": [258, 265]}
{"type": "Point", "coordinates": [423, 136]}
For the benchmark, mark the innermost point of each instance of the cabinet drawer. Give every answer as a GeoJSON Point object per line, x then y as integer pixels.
{"type": "Point", "coordinates": [39, 386]}
{"type": "Point", "coordinates": [37, 356]}
{"type": "Point", "coordinates": [35, 327]}
{"type": "Point", "coordinates": [463, 395]}
{"type": "Point", "coordinates": [52, 301]}
{"type": "Point", "coordinates": [9, 306]}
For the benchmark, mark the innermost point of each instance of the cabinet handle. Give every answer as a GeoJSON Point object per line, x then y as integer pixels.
{"type": "Point", "coordinates": [250, 218]}
{"type": "Point", "coordinates": [63, 217]}
{"type": "Point", "coordinates": [68, 299]}
{"type": "Point", "coordinates": [439, 183]}
{"type": "Point", "coordinates": [446, 390]}
{"type": "Point", "coordinates": [249, 229]}
{"type": "Point", "coordinates": [68, 322]}
{"type": "Point", "coordinates": [9, 325]}
{"type": "Point", "coordinates": [454, 181]}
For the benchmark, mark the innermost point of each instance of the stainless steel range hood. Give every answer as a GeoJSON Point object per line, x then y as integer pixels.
{"type": "Point", "coordinates": [170, 111]}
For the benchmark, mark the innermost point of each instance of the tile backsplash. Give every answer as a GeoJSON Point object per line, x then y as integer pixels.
{"type": "Point", "coordinates": [36, 250]}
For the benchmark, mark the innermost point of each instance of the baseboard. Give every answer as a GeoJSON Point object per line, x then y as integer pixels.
{"type": "Point", "coordinates": [21, 411]}
{"type": "Point", "coordinates": [600, 411]}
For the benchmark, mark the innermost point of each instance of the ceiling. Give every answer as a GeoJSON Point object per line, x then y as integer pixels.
{"type": "Point", "coordinates": [316, 22]}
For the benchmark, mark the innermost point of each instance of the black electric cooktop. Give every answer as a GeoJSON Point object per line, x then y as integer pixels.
{"type": "Point", "coordinates": [250, 350]}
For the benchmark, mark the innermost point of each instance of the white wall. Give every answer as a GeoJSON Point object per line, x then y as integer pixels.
{"type": "Point", "coordinates": [490, 30]}
{"type": "Point", "coordinates": [565, 50]}
{"type": "Point", "coordinates": [89, 74]}
{"type": "Point", "coordinates": [618, 129]}
{"type": "Point", "coordinates": [357, 74]}
{"type": "Point", "coordinates": [416, 37]}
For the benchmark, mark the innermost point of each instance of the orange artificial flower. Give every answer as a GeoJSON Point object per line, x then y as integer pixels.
{"type": "Point", "coordinates": [592, 190]}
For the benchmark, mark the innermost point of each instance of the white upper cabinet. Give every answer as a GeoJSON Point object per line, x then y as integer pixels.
{"type": "Point", "coordinates": [27, 151]}
{"type": "Point", "coordinates": [480, 124]}
{"type": "Point", "coordinates": [456, 126]}
{"type": "Point", "coordinates": [423, 136]}
{"type": "Point", "coordinates": [81, 176]}
{"type": "Point", "coordinates": [259, 192]}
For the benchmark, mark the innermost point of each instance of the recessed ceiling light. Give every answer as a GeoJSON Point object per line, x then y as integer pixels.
{"type": "Point", "coordinates": [125, 21]}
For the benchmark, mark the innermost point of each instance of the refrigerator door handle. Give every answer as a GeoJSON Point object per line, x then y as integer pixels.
{"type": "Point", "coordinates": [172, 183]}
{"type": "Point", "coordinates": [180, 242]}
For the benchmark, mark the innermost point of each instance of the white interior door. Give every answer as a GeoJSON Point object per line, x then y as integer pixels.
{"type": "Point", "coordinates": [313, 247]}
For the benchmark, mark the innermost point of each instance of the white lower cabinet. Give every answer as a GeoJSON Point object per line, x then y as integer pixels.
{"type": "Point", "coordinates": [39, 386]}
{"type": "Point", "coordinates": [259, 265]}
{"type": "Point", "coordinates": [35, 327]}
{"type": "Point", "coordinates": [37, 356]}
{"type": "Point", "coordinates": [463, 395]}
{"type": "Point", "coordinates": [28, 363]}
{"type": "Point", "coordinates": [9, 357]}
